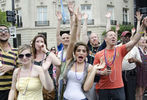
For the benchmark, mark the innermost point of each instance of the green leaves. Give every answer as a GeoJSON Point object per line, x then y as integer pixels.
{"type": "Point", "coordinates": [3, 19]}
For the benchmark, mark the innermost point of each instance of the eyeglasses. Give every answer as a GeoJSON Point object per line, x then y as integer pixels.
{"type": "Point", "coordinates": [22, 55]}
{"type": "Point", "coordinates": [4, 30]}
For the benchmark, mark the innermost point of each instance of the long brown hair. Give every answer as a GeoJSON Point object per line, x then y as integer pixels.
{"type": "Point", "coordinates": [81, 44]}
{"type": "Point", "coordinates": [33, 43]}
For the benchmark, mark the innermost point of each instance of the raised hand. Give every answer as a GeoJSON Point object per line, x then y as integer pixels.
{"type": "Point", "coordinates": [85, 16]}
{"type": "Point", "coordinates": [138, 15]}
{"type": "Point", "coordinates": [108, 15]}
{"type": "Point", "coordinates": [71, 7]}
{"type": "Point", "coordinates": [78, 14]}
{"type": "Point", "coordinates": [59, 15]}
{"type": "Point", "coordinates": [43, 47]}
{"type": "Point", "coordinates": [144, 22]}
{"type": "Point", "coordinates": [117, 27]}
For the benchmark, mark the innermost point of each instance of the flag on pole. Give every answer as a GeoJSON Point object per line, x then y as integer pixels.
{"type": "Point", "coordinates": [63, 12]}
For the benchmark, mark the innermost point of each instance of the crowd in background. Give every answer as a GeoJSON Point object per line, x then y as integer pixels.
{"type": "Point", "coordinates": [80, 67]}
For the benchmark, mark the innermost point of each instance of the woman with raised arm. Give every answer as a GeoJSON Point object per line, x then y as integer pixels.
{"type": "Point", "coordinates": [41, 54]}
{"type": "Point", "coordinates": [29, 79]}
{"type": "Point", "coordinates": [76, 67]}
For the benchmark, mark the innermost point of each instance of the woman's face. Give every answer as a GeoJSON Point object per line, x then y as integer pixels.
{"type": "Point", "coordinates": [81, 54]}
{"type": "Point", "coordinates": [25, 57]}
{"type": "Point", "coordinates": [38, 43]}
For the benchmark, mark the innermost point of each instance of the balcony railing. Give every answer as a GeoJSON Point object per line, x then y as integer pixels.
{"type": "Point", "coordinates": [66, 22]}
{"type": "Point", "coordinates": [42, 23]}
{"type": "Point", "coordinates": [89, 22]}
{"type": "Point", "coordinates": [113, 22]}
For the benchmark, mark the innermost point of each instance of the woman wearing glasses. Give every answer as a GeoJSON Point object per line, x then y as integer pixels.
{"type": "Point", "coordinates": [29, 79]}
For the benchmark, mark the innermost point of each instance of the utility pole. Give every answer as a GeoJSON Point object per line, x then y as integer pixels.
{"type": "Point", "coordinates": [13, 24]}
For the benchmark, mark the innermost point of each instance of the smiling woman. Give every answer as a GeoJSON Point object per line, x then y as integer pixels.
{"type": "Point", "coordinates": [29, 79]}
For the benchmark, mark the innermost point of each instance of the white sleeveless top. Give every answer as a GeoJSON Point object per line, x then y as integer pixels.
{"type": "Point", "coordinates": [73, 89]}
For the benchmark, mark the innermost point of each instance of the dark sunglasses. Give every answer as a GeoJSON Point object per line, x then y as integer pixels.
{"type": "Point", "coordinates": [27, 55]}
{"type": "Point", "coordinates": [4, 30]}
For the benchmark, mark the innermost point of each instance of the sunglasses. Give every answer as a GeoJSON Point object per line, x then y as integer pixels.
{"type": "Point", "coordinates": [4, 30]}
{"type": "Point", "coordinates": [22, 55]}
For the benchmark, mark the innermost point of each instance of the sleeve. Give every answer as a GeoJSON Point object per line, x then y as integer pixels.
{"type": "Point", "coordinates": [96, 60]}
{"type": "Point", "coordinates": [123, 50]}
{"type": "Point", "coordinates": [59, 47]}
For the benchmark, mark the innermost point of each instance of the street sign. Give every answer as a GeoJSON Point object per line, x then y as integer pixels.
{"type": "Point", "coordinates": [13, 32]}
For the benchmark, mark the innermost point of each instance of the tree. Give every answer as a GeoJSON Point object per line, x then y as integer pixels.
{"type": "Point", "coordinates": [3, 19]}
{"type": "Point", "coordinates": [122, 28]}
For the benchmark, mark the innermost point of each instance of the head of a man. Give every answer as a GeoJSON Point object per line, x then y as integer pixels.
{"type": "Point", "coordinates": [125, 37]}
{"type": "Point", "coordinates": [65, 38]}
{"type": "Point", "coordinates": [94, 40]}
{"type": "Point", "coordinates": [4, 33]}
{"type": "Point", "coordinates": [111, 38]}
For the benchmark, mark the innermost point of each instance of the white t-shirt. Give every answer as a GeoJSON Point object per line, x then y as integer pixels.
{"type": "Point", "coordinates": [134, 53]}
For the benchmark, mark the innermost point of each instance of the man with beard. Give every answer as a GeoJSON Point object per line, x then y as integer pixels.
{"type": "Point", "coordinates": [8, 58]}
{"type": "Point", "coordinates": [129, 67]}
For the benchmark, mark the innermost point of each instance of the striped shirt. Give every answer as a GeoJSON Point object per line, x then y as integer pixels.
{"type": "Point", "coordinates": [9, 58]}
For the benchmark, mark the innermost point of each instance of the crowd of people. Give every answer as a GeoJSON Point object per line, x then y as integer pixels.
{"type": "Point", "coordinates": [80, 68]}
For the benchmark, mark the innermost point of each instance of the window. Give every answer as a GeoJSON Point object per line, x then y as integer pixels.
{"type": "Point", "coordinates": [42, 16]}
{"type": "Point", "coordinates": [42, 13]}
{"type": "Point", "coordinates": [18, 36]}
{"type": "Point", "coordinates": [86, 8]}
{"type": "Point", "coordinates": [66, 12]}
{"type": "Point", "coordinates": [111, 10]}
{"type": "Point", "coordinates": [125, 15]}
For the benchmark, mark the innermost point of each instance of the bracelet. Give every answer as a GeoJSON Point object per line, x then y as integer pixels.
{"type": "Point", "coordinates": [141, 32]}
{"type": "Point", "coordinates": [47, 53]}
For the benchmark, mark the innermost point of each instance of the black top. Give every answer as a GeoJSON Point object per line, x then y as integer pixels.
{"type": "Point", "coordinates": [50, 70]}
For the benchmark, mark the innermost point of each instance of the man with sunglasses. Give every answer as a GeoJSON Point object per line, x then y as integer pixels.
{"type": "Point", "coordinates": [8, 61]}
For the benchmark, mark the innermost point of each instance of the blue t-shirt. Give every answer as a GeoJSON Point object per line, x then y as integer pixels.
{"type": "Point", "coordinates": [60, 47]}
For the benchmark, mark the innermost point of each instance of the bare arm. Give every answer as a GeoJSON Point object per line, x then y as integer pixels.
{"type": "Point", "coordinates": [45, 77]}
{"type": "Point", "coordinates": [92, 71]}
{"type": "Point", "coordinates": [137, 36]}
{"type": "Point", "coordinates": [84, 37]}
{"type": "Point", "coordinates": [108, 25]}
{"type": "Point", "coordinates": [71, 12]}
{"type": "Point", "coordinates": [139, 17]}
{"type": "Point", "coordinates": [79, 16]}
{"type": "Point", "coordinates": [58, 38]}
{"type": "Point", "coordinates": [72, 40]}
{"type": "Point", "coordinates": [54, 59]}
{"type": "Point", "coordinates": [50, 57]}
{"type": "Point", "coordinates": [12, 92]}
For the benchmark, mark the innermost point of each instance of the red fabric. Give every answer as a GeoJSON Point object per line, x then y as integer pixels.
{"type": "Point", "coordinates": [114, 80]}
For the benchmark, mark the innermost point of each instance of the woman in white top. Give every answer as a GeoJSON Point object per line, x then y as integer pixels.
{"type": "Point", "coordinates": [76, 67]}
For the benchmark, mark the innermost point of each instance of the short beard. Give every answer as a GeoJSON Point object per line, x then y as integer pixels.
{"type": "Point", "coordinates": [3, 41]}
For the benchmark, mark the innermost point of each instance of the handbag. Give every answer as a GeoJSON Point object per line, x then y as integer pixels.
{"type": "Point", "coordinates": [48, 95]}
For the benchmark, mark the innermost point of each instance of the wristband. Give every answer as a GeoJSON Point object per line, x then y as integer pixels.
{"type": "Point", "coordinates": [141, 32]}
{"type": "Point", "coordinates": [47, 53]}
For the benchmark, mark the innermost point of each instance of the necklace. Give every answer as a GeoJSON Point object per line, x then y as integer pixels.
{"type": "Point", "coordinates": [108, 65]}
{"type": "Point", "coordinates": [27, 81]}
{"type": "Point", "coordinates": [62, 59]}
{"type": "Point", "coordinates": [76, 71]}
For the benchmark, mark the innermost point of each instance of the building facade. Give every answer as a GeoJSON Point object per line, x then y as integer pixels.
{"type": "Point", "coordinates": [39, 16]}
